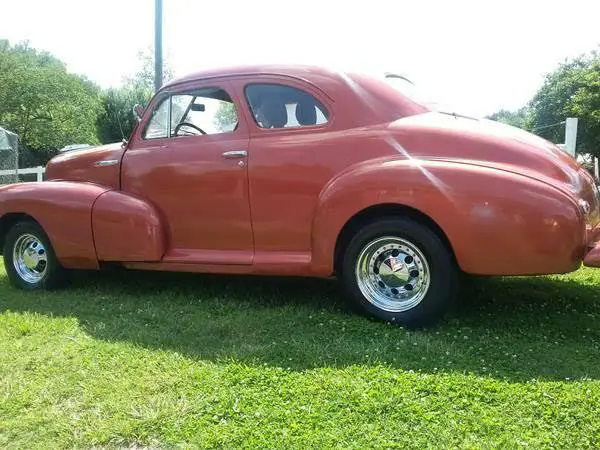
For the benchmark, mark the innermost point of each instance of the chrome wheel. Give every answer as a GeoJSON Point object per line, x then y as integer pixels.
{"type": "Point", "coordinates": [30, 258]}
{"type": "Point", "coordinates": [392, 274]}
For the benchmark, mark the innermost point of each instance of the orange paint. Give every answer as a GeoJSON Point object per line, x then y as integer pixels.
{"type": "Point", "coordinates": [507, 201]}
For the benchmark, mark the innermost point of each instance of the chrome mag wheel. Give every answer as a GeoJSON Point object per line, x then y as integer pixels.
{"type": "Point", "coordinates": [30, 258]}
{"type": "Point", "coordinates": [393, 274]}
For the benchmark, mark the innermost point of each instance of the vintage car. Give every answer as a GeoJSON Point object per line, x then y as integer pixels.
{"type": "Point", "coordinates": [295, 170]}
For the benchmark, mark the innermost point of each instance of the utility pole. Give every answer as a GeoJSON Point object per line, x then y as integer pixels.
{"type": "Point", "coordinates": [158, 57]}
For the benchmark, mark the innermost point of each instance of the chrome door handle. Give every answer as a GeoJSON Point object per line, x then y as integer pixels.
{"type": "Point", "coordinates": [235, 154]}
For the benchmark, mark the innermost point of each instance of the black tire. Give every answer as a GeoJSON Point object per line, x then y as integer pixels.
{"type": "Point", "coordinates": [53, 276]}
{"type": "Point", "coordinates": [442, 269]}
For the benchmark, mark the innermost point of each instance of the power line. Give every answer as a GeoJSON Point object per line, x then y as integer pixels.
{"type": "Point", "coordinates": [549, 126]}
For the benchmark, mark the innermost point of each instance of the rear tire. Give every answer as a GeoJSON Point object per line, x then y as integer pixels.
{"type": "Point", "coordinates": [399, 271]}
{"type": "Point", "coordinates": [29, 258]}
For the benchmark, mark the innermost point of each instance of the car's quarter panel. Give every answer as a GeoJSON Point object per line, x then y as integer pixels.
{"type": "Point", "coordinates": [497, 222]}
{"type": "Point", "coordinates": [201, 194]}
{"type": "Point", "coordinates": [127, 229]}
{"type": "Point", "coordinates": [64, 210]}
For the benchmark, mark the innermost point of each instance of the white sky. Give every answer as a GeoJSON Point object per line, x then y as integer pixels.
{"type": "Point", "coordinates": [479, 55]}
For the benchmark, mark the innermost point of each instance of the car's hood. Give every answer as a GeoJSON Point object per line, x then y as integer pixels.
{"type": "Point", "coordinates": [96, 164]}
{"type": "Point", "coordinates": [98, 151]}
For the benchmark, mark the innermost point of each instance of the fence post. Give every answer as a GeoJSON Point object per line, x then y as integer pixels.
{"type": "Point", "coordinates": [596, 169]}
{"type": "Point", "coordinates": [40, 173]}
{"type": "Point", "coordinates": [571, 135]}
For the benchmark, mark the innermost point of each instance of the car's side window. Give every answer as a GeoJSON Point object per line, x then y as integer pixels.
{"type": "Point", "coordinates": [202, 111]}
{"type": "Point", "coordinates": [279, 106]}
{"type": "Point", "coordinates": [193, 113]}
{"type": "Point", "coordinates": [157, 125]}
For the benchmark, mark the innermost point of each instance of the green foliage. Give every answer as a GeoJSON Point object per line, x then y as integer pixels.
{"type": "Point", "coordinates": [50, 108]}
{"type": "Point", "coordinates": [116, 121]}
{"type": "Point", "coordinates": [572, 90]}
{"type": "Point", "coordinates": [47, 106]}
{"type": "Point", "coordinates": [165, 360]}
{"type": "Point", "coordinates": [144, 77]}
{"type": "Point", "coordinates": [520, 118]}
{"type": "Point", "coordinates": [225, 115]}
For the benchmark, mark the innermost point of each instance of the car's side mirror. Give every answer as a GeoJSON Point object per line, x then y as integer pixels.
{"type": "Point", "coordinates": [138, 111]}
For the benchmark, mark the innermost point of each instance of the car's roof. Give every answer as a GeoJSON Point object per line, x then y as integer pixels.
{"type": "Point", "coordinates": [305, 72]}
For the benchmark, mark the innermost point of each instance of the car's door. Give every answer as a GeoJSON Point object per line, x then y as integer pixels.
{"type": "Point", "coordinates": [189, 158]}
{"type": "Point", "coordinates": [295, 150]}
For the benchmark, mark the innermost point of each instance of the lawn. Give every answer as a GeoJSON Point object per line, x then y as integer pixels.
{"type": "Point", "coordinates": [165, 360]}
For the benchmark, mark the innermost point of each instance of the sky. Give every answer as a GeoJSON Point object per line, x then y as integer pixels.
{"type": "Point", "coordinates": [479, 56]}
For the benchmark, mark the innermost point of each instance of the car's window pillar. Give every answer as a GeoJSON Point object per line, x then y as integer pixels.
{"type": "Point", "coordinates": [169, 113]}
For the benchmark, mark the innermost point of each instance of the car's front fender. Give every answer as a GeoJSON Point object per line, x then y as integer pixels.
{"type": "Point", "coordinates": [87, 223]}
{"type": "Point", "coordinates": [497, 222]}
{"type": "Point", "coordinates": [63, 209]}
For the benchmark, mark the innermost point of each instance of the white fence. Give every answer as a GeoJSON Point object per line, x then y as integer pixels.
{"type": "Point", "coordinates": [38, 171]}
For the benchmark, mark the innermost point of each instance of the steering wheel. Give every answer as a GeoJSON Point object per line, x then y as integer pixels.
{"type": "Point", "coordinates": [187, 124]}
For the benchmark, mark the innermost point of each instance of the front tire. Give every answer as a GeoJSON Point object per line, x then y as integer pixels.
{"type": "Point", "coordinates": [29, 258]}
{"type": "Point", "coordinates": [399, 270]}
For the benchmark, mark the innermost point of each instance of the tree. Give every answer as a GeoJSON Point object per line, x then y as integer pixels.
{"type": "Point", "coordinates": [116, 121]}
{"type": "Point", "coordinates": [225, 116]}
{"type": "Point", "coordinates": [144, 77]}
{"type": "Point", "coordinates": [572, 90]}
{"type": "Point", "coordinates": [520, 118]}
{"type": "Point", "coordinates": [47, 106]}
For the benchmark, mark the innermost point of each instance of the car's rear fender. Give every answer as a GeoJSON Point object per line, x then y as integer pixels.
{"type": "Point", "coordinates": [497, 222]}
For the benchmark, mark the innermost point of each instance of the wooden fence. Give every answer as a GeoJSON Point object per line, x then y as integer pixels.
{"type": "Point", "coordinates": [38, 171]}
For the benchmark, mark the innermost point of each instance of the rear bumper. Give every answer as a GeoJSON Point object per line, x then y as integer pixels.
{"type": "Point", "coordinates": [592, 257]}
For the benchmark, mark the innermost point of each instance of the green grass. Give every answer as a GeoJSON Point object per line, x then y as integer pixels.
{"type": "Point", "coordinates": [165, 360]}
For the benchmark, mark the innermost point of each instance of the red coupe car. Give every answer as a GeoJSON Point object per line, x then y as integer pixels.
{"type": "Point", "coordinates": [307, 171]}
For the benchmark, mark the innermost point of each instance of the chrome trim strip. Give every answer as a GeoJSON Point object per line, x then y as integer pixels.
{"type": "Point", "coordinates": [106, 162]}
